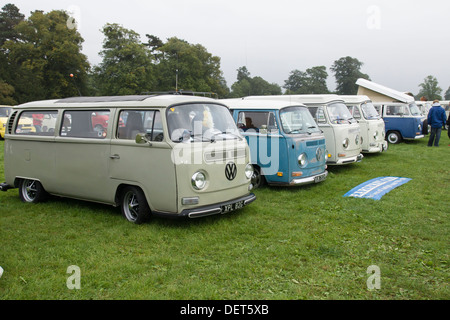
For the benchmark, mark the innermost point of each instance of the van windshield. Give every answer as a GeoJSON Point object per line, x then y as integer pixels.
{"type": "Point", "coordinates": [414, 109]}
{"type": "Point", "coordinates": [369, 111]}
{"type": "Point", "coordinates": [296, 120]}
{"type": "Point", "coordinates": [339, 113]}
{"type": "Point", "coordinates": [201, 122]}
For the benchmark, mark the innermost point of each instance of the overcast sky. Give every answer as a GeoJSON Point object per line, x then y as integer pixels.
{"type": "Point", "coordinates": [400, 42]}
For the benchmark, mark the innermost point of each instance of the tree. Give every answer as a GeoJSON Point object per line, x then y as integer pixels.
{"type": "Point", "coordinates": [9, 18]}
{"type": "Point", "coordinates": [430, 89]}
{"type": "Point", "coordinates": [6, 93]}
{"type": "Point", "coordinates": [347, 71]}
{"type": "Point", "coordinates": [42, 57]}
{"type": "Point", "coordinates": [447, 94]}
{"type": "Point", "coordinates": [313, 81]}
{"type": "Point", "coordinates": [246, 85]}
{"type": "Point", "coordinates": [189, 67]}
{"type": "Point", "coordinates": [126, 67]}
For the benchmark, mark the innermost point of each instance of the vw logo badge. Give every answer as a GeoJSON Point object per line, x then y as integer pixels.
{"type": "Point", "coordinates": [319, 154]}
{"type": "Point", "coordinates": [230, 171]}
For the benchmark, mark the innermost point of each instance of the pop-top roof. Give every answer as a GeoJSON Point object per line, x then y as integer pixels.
{"type": "Point", "coordinates": [378, 88]}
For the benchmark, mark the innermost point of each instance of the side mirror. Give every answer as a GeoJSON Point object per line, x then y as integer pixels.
{"type": "Point", "coordinates": [263, 129]}
{"type": "Point", "coordinates": [142, 139]}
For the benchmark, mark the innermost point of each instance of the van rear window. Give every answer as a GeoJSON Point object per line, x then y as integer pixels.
{"type": "Point", "coordinates": [39, 123]}
{"type": "Point", "coordinates": [85, 124]}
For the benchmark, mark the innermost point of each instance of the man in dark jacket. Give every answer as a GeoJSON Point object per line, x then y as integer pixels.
{"type": "Point", "coordinates": [436, 119]}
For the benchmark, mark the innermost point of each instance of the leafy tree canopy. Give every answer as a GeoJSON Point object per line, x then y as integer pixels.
{"type": "Point", "coordinates": [246, 85]}
{"type": "Point", "coordinates": [430, 89]}
{"type": "Point", "coordinates": [347, 71]}
{"type": "Point", "coordinates": [42, 55]}
{"type": "Point", "coordinates": [313, 81]}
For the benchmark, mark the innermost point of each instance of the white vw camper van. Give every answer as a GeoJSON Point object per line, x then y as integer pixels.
{"type": "Point", "coordinates": [169, 155]}
{"type": "Point", "coordinates": [370, 122]}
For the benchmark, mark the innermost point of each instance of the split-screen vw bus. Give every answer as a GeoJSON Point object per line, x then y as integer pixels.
{"type": "Point", "coordinates": [341, 131]}
{"type": "Point", "coordinates": [167, 155]}
{"type": "Point", "coordinates": [370, 123]}
{"type": "Point", "coordinates": [287, 147]}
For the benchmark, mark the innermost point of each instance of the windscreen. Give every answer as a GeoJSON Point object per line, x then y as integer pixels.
{"type": "Point", "coordinates": [414, 109]}
{"type": "Point", "coordinates": [297, 120]}
{"type": "Point", "coordinates": [339, 114]}
{"type": "Point", "coordinates": [201, 122]}
{"type": "Point", "coordinates": [369, 111]}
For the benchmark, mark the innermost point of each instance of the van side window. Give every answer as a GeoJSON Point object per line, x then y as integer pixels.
{"type": "Point", "coordinates": [39, 123]}
{"type": "Point", "coordinates": [318, 114]}
{"type": "Point", "coordinates": [356, 114]}
{"type": "Point", "coordinates": [133, 122]}
{"type": "Point", "coordinates": [397, 110]}
{"type": "Point", "coordinates": [85, 124]}
{"type": "Point", "coordinates": [257, 121]}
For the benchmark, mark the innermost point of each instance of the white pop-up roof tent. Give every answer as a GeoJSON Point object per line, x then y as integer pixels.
{"type": "Point", "coordinates": [378, 93]}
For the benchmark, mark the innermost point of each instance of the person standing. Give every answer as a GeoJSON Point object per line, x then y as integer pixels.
{"type": "Point", "coordinates": [436, 119]}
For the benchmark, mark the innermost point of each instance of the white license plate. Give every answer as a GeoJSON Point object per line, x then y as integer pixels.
{"type": "Point", "coordinates": [232, 206]}
{"type": "Point", "coordinates": [320, 178]}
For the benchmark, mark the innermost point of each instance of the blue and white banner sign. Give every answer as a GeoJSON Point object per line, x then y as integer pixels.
{"type": "Point", "coordinates": [376, 188]}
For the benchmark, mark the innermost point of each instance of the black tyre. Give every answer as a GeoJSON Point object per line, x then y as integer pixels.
{"type": "Point", "coordinates": [134, 205]}
{"type": "Point", "coordinates": [31, 191]}
{"type": "Point", "coordinates": [258, 179]}
{"type": "Point", "coordinates": [394, 137]}
{"type": "Point", "coordinates": [425, 128]}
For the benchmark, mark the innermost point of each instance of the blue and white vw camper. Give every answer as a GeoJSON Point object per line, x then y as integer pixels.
{"type": "Point", "coordinates": [402, 117]}
{"type": "Point", "coordinates": [341, 131]}
{"type": "Point", "coordinates": [287, 148]}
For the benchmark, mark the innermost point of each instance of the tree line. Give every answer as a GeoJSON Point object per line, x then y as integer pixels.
{"type": "Point", "coordinates": [41, 58]}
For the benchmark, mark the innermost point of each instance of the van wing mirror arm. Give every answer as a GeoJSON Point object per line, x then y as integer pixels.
{"type": "Point", "coordinates": [141, 139]}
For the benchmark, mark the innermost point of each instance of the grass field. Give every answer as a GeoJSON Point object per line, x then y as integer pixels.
{"type": "Point", "coordinates": [291, 243]}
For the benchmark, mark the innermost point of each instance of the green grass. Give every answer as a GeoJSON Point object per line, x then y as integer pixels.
{"type": "Point", "coordinates": [291, 243]}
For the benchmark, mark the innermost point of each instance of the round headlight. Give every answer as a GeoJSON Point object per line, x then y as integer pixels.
{"type": "Point", "coordinates": [302, 160]}
{"type": "Point", "coordinates": [198, 180]}
{"type": "Point", "coordinates": [249, 171]}
{"type": "Point", "coordinates": [345, 143]}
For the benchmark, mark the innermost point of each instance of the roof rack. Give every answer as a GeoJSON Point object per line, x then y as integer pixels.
{"type": "Point", "coordinates": [184, 92]}
{"type": "Point", "coordinates": [104, 99]}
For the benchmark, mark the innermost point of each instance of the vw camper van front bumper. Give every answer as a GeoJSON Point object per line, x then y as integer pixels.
{"type": "Point", "coordinates": [218, 208]}
{"type": "Point", "coordinates": [347, 160]}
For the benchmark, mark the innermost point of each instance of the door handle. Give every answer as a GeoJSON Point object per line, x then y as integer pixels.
{"type": "Point", "coordinates": [115, 156]}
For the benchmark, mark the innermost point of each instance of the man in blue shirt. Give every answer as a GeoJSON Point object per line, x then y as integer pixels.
{"type": "Point", "coordinates": [436, 119]}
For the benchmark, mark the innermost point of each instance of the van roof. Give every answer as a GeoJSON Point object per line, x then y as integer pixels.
{"type": "Point", "coordinates": [302, 98]}
{"type": "Point", "coordinates": [355, 98]}
{"type": "Point", "coordinates": [161, 101]}
{"type": "Point", "coordinates": [378, 88]}
{"type": "Point", "coordinates": [241, 103]}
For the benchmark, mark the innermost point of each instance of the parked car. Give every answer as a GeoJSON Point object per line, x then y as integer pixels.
{"type": "Point", "coordinates": [341, 131]}
{"type": "Point", "coordinates": [5, 111]}
{"type": "Point", "coordinates": [286, 145]}
{"type": "Point", "coordinates": [402, 117]}
{"type": "Point", "coordinates": [370, 122]}
{"type": "Point", "coordinates": [161, 162]}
